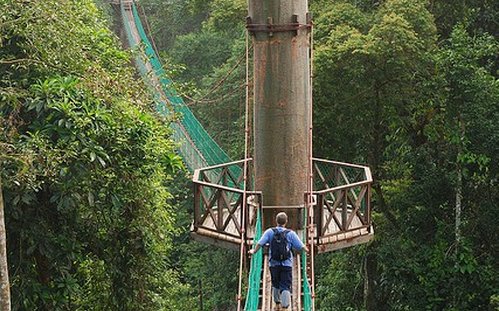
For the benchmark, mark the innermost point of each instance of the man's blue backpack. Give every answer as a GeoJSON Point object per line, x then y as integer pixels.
{"type": "Point", "coordinates": [279, 246]}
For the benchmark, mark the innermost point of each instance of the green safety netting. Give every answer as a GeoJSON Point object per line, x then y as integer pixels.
{"type": "Point", "coordinates": [197, 147]}
{"type": "Point", "coordinates": [255, 275]}
{"type": "Point", "coordinates": [307, 292]}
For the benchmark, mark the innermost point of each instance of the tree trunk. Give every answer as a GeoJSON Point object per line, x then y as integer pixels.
{"type": "Point", "coordinates": [459, 183]}
{"type": "Point", "coordinates": [4, 271]}
{"type": "Point", "coordinates": [370, 271]}
{"type": "Point", "coordinates": [458, 207]}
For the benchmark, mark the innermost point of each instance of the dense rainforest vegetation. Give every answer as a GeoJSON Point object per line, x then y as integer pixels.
{"type": "Point", "coordinates": [97, 203]}
{"type": "Point", "coordinates": [87, 167]}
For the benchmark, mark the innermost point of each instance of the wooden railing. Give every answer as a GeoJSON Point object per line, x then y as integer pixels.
{"type": "Point", "coordinates": [342, 209]}
{"type": "Point", "coordinates": [218, 204]}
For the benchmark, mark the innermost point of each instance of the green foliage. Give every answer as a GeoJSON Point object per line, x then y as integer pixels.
{"type": "Point", "coordinates": [339, 281]}
{"type": "Point", "coordinates": [214, 271]}
{"type": "Point", "coordinates": [221, 103]}
{"type": "Point", "coordinates": [204, 51]}
{"type": "Point", "coordinates": [338, 14]}
{"type": "Point", "coordinates": [369, 69]}
{"type": "Point", "coordinates": [86, 164]}
{"type": "Point", "coordinates": [420, 112]}
{"type": "Point", "coordinates": [226, 15]}
{"type": "Point", "coordinates": [214, 54]}
{"type": "Point", "coordinates": [481, 15]}
{"type": "Point", "coordinates": [174, 18]}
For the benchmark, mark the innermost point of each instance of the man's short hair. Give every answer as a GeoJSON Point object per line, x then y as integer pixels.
{"type": "Point", "coordinates": [281, 218]}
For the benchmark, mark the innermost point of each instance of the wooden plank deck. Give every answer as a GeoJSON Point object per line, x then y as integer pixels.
{"type": "Point", "coordinates": [267, 301]}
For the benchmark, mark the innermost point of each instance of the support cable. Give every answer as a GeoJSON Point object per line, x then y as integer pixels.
{"type": "Point", "coordinates": [149, 31]}
{"type": "Point", "coordinates": [310, 183]}
{"type": "Point", "coordinates": [193, 101]}
{"type": "Point", "coordinates": [245, 172]}
{"type": "Point", "coordinates": [220, 82]}
{"type": "Point", "coordinates": [217, 85]}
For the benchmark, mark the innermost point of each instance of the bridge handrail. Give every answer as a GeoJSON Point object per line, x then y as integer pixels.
{"type": "Point", "coordinates": [339, 188]}
{"type": "Point", "coordinates": [231, 172]}
{"type": "Point", "coordinates": [220, 165]}
{"type": "Point", "coordinates": [255, 274]}
{"type": "Point", "coordinates": [340, 170]}
{"type": "Point", "coordinates": [339, 163]}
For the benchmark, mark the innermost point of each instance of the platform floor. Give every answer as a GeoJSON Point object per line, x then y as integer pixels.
{"type": "Point", "coordinates": [333, 233]}
{"type": "Point", "coordinates": [267, 302]}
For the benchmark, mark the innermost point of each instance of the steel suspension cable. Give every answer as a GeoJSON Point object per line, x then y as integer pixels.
{"type": "Point", "coordinates": [221, 81]}
{"type": "Point", "coordinates": [149, 31]}
{"type": "Point", "coordinates": [245, 174]}
{"type": "Point", "coordinates": [310, 181]}
{"type": "Point", "coordinates": [193, 101]}
{"type": "Point", "coordinates": [257, 260]}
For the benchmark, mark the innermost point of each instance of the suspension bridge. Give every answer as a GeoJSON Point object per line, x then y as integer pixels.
{"type": "Point", "coordinates": [329, 202]}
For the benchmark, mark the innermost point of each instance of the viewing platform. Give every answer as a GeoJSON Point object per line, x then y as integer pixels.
{"type": "Point", "coordinates": [340, 202]}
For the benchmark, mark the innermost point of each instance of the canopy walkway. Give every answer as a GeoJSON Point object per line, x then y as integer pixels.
{"type": "Point", "coordinates": [196, 146]}
{"type": "Point", "coordinates": [229, 213]}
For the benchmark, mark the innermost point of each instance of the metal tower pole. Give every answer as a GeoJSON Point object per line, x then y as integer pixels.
{"type": "Point", "coordinates": [280, 31]}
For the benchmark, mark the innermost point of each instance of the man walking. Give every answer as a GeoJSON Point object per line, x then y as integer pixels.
{"type": "Point", "coordinates": [281, 241]}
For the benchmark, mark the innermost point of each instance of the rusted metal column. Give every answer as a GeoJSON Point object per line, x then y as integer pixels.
{"type": "Point", "coordinates": [281, 103]}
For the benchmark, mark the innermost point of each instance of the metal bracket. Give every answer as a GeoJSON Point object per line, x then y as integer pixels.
{"type": "Point", "coordinates": [270, 27]}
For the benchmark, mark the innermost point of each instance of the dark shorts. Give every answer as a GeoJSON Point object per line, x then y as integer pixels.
{"type": "Point", "coordinates": [281, 277]}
